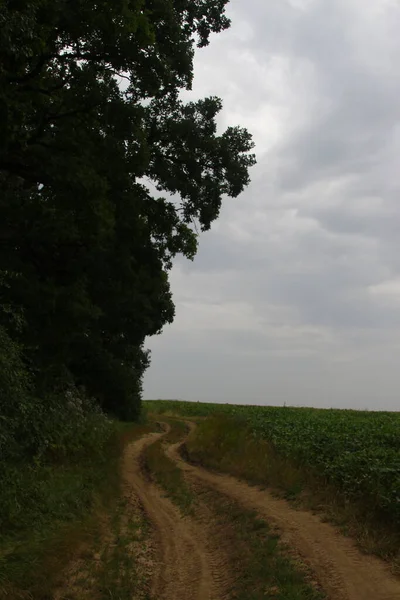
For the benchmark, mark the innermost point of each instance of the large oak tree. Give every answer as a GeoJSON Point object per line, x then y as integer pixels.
{"type": "Point", "coordinates": [90, 111]}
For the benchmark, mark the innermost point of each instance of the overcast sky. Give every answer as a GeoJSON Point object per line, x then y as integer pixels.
{"type": "Point", "coordinates": [294, 295]}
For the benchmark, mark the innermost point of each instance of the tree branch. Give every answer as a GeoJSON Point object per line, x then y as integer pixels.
{"type": "Point", "coordinates": [35, 71]}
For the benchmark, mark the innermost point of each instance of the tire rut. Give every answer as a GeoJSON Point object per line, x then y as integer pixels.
{"type": "Point", "coordinates": [213, 539]}
{"type": "Point", "coordinates": [185, 566]}
{"type": "Point", "coordinates": [342, 570]}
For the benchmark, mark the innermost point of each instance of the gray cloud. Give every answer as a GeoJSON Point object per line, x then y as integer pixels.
{"type": "Point", "coordinates": [295, 293]}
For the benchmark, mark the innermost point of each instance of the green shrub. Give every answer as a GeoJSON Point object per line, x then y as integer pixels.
{"type": "Point", "coordinates": [14, 397]}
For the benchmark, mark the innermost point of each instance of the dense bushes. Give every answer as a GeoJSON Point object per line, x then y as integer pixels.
{"type": "Point", "coordinates": [40, 440]}
{"type": "Point", "coordinates": [33, 428]}
{"type": "Point", "coordinates": [13, 396]}
{"type": "Point", "coordinates": [39, 443]}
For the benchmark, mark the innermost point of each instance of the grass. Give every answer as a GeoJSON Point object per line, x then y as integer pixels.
{"type": "Point", "coordinates": [65, 505]}
{"type": "Point", "coordinates": [262, 565]}
{"type": "Point", "coordinates": [219, 443]}
{"type": "Point", "coordinates": [164, 470]}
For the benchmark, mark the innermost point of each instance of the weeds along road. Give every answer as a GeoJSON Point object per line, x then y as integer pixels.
{"type": "Point", "coordinates": [187, 533]}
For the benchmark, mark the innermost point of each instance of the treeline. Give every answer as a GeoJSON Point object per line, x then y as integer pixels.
{"type": "Point", "coordinates": [91, 122]}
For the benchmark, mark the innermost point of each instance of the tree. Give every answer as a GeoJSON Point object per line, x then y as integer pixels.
{"type": "Point", "coordinates": [89, 111]}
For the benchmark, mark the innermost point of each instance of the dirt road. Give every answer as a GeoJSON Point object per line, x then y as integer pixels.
{"type": "Point", "coordinates": [193, 557]}
{"type": "Point", "coordinates": [187, 565]}
{"type": "Point", "coordinates": [191, 562]}
{"type": "Point", "coordinates": [343, 572]}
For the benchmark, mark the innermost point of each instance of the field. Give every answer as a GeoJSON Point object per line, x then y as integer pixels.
{"type": "Point", "coordinates": [357, 452]}
{"type": "Point", "coordinates": [169, 510]}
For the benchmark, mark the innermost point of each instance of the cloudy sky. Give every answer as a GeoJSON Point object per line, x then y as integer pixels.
{"type": "Point", "coordinates": [294, 295]}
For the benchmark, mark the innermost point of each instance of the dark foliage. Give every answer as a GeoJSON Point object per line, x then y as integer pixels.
{"type": "Point", "coordinates": [90, 112]}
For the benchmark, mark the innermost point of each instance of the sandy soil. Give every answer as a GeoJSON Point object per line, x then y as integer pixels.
{"type": "Point", "coordinates": [187, 563]}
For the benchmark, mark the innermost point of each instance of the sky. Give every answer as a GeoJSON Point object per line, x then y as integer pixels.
{"type": "Point", "coordinates": [294, 295]}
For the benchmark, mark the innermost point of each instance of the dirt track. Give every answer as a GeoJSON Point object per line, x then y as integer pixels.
{"type": "Point", "coordinates": [190, 562]}
{"type": "Point", "coordinates": [190, 557]}
{"type": "Point", "coordinates": [186, 564]}
{"type": "Point", "coordinates": [343, 572]}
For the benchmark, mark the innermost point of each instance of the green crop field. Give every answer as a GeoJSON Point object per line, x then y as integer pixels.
{"type": "Point", "coordinates": [357, 451]}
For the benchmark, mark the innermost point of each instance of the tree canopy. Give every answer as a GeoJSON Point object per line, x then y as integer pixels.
{"type": "Point", "coordinates": [90, 116]}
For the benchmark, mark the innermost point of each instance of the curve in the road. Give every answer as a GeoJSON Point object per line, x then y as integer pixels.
{"type": "Point", "coordinates": [185, 565]}
{"type": "Point", "coordinates": [341, 569]}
